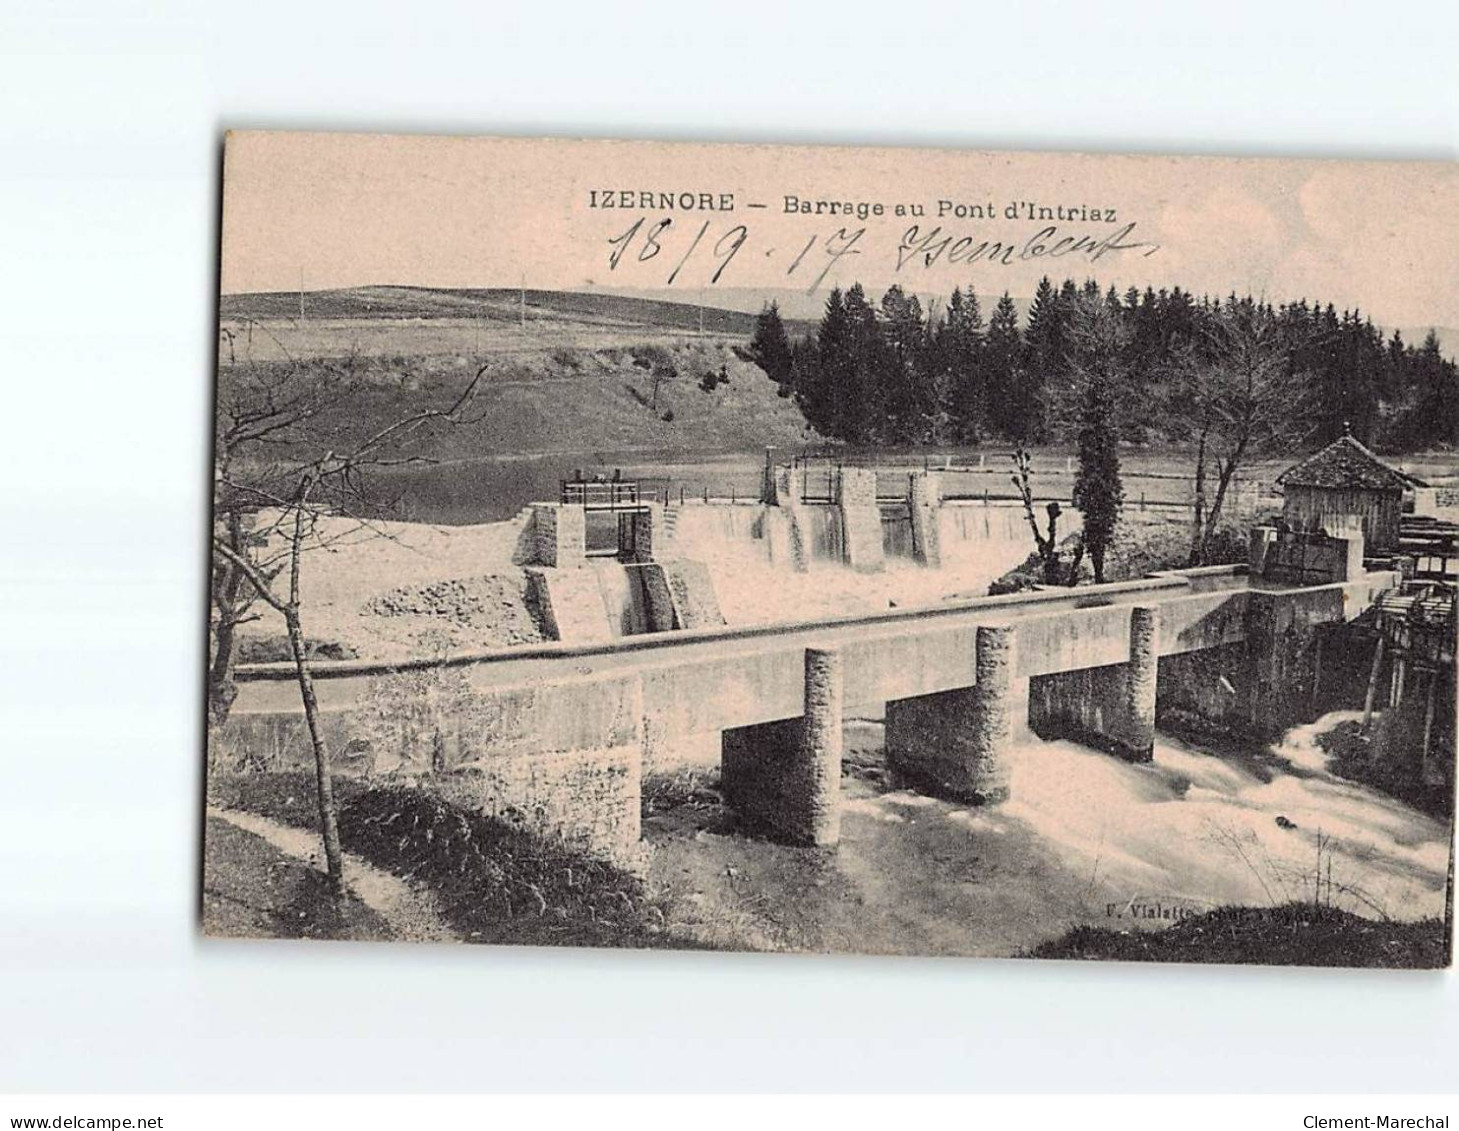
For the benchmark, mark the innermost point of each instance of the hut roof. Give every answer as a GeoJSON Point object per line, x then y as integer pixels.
{"type": "Point", "coordinates": [1347, 464]}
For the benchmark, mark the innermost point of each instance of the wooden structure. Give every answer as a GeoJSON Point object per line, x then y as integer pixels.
{"type": "Point", "coordinates": [1433, 545]}
{"type": "Point", "coordinates": [1345, 487]}
{"type": "Point", "coordinates": [1416, 634]}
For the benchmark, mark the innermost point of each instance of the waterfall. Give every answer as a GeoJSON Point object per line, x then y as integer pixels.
{"type": "Point", "coordinates": [705, 531]}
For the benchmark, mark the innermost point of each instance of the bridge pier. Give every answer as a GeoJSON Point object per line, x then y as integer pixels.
{"type": "Point", "coordinates": [955, 743]}
{"type": "Point", "coordinates": [1143, 683]}
{"type": "Point", "coordinates": [1111, 706]}
{"type": "Point", "coordinates": [786, 776]}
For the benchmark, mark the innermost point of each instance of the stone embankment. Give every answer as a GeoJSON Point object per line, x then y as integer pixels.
{"type": "Point", "coordinates": [490, 611]}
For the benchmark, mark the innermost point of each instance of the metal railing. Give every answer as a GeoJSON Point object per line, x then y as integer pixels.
{"type": "Point", "coordinates": [610, 494]}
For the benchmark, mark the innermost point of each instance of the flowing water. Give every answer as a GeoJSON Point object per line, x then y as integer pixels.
{"type": "Point", "coordinates": [1084, 839]}
{"type": "Point", "coordinates": [1192, 830]}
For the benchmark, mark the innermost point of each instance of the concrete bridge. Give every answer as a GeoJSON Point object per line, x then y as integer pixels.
{"type": "Point", "coordinates": [556, 737]}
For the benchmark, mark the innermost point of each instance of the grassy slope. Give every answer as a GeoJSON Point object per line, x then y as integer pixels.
{"type": "Point", "coordinates": [580, 377]}
{"type": "Point", "coordinates": [492, 882]}
{"type": "Point", "coordinates": [1296, 934]}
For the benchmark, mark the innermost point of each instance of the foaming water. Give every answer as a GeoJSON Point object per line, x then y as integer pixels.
{"type": "Point", "coordinates": [1196, 830]}
{"type": "Point", "coordinates": [1299, 745]}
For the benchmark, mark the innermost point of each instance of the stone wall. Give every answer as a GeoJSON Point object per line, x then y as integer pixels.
{"type": "Point", "coordinates": [925, 503]}
{"type": "Point", "coordinates": [692, 598]}
{"type": "Point", "coordinates": [656, 598]}
{"type": "Point", "coordinates": [1281, 645]}
{"type": "Point", "coordinates": [955, 743]}
{"type": "Point", "coordinates": [784, 537]}
{"type": "Point", "coordinates": [1211, 687]}
{"type": "Point", "coordinates": [785, 486]}
{"type": "Point", "coordinates": [1305, 558]}
{"type": "Point", "coordinates": [564, 761]}
{"type": "Point", "coordinates": [559, 535]}
{"type": "Point", "coordinates": [1291, 661]}
{"type": "Point", "coordinates": [648, 541]}
{"type": "Point", "coordinates": [590, 800]}
{"type": "Point", "coordinates": [861, 533]}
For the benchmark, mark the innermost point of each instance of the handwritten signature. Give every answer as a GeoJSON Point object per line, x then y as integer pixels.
{"type": "Point", "coordinates": [934, 246]}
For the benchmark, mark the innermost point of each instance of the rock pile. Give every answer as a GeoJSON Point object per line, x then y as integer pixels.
{"type": "Point", "coordinates": [488, 611]}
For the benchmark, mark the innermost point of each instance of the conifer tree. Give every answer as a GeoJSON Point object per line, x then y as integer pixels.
{"type": "Point", "coordinates": [771, 347]}
{"type": "Point", "coordinates": [902, 377]}
{"type": "Point", "coordinates": [961, 351]}
{"type": "Point", "coordinates": [894, 373]}
{"type": "Point", "coordinates": [1097, 343]}
{"type": "Point", "coordinates": [1045, 373]}
{"type": "Point", "coordinates": [1436, 416]}
{"type": "Point", "coordinates": [1002, 350]}
{"type": "Point", "coordinates": [821, 391]}
{"type": "Point", "coordinates": [857, 401]}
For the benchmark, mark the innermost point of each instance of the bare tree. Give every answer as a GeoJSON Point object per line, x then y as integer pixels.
{"type": "Point", "coordinates": [233, 602]}
{"type": "Point", "coordinates": [266, 411]}
{"type": "Point", "coordinates": [1054, 569]}
{"type": "Point", "coordinates": [1243, 400]}
{"type": "Point", "coordinates": [289, 496]}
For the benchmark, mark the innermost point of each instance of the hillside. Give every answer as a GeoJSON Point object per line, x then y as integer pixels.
{"type": "Point", "coordinates": [585, 373]}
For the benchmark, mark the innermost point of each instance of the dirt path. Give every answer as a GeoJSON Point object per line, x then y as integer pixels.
{"type": "Point", "coordinates": [251, 890]}
{"type": "Point", "coordinates": [410, 913]}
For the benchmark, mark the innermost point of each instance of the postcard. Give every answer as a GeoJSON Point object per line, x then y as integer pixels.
{"type": "Point", "coordinates": [834, 550]}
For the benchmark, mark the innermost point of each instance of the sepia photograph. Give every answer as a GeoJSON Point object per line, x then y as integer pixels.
{"type": "Point", "coordinates": [816, 550]}
{"type": "Point", "coordinates": [771, 566]}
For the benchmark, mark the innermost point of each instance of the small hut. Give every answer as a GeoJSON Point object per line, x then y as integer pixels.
{"type": "Point", "coordinates": [1346, 487]}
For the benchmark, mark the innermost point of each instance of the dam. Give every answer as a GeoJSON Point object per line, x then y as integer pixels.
{"type": "Point", "coordinates": [610, 560]}
{"type": "Point", "coordinates": [556, 737]}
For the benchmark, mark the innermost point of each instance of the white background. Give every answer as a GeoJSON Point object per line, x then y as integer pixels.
{"type": "Point", "coordinates": [110, 120]}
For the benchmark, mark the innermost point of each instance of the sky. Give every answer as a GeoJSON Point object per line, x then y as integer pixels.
{"type": "Point", "coordinates": [339, 210]}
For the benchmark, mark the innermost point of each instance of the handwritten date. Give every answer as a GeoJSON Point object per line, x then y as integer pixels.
{"type": "Point", "coordinates": [644, 241]}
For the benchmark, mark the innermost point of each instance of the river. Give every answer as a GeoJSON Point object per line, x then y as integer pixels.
{"type": "Point", "coordinates": [1084, 839]}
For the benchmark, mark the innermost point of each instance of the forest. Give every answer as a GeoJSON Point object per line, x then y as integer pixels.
{"type": "Point", "coordinates": [892, 373]}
